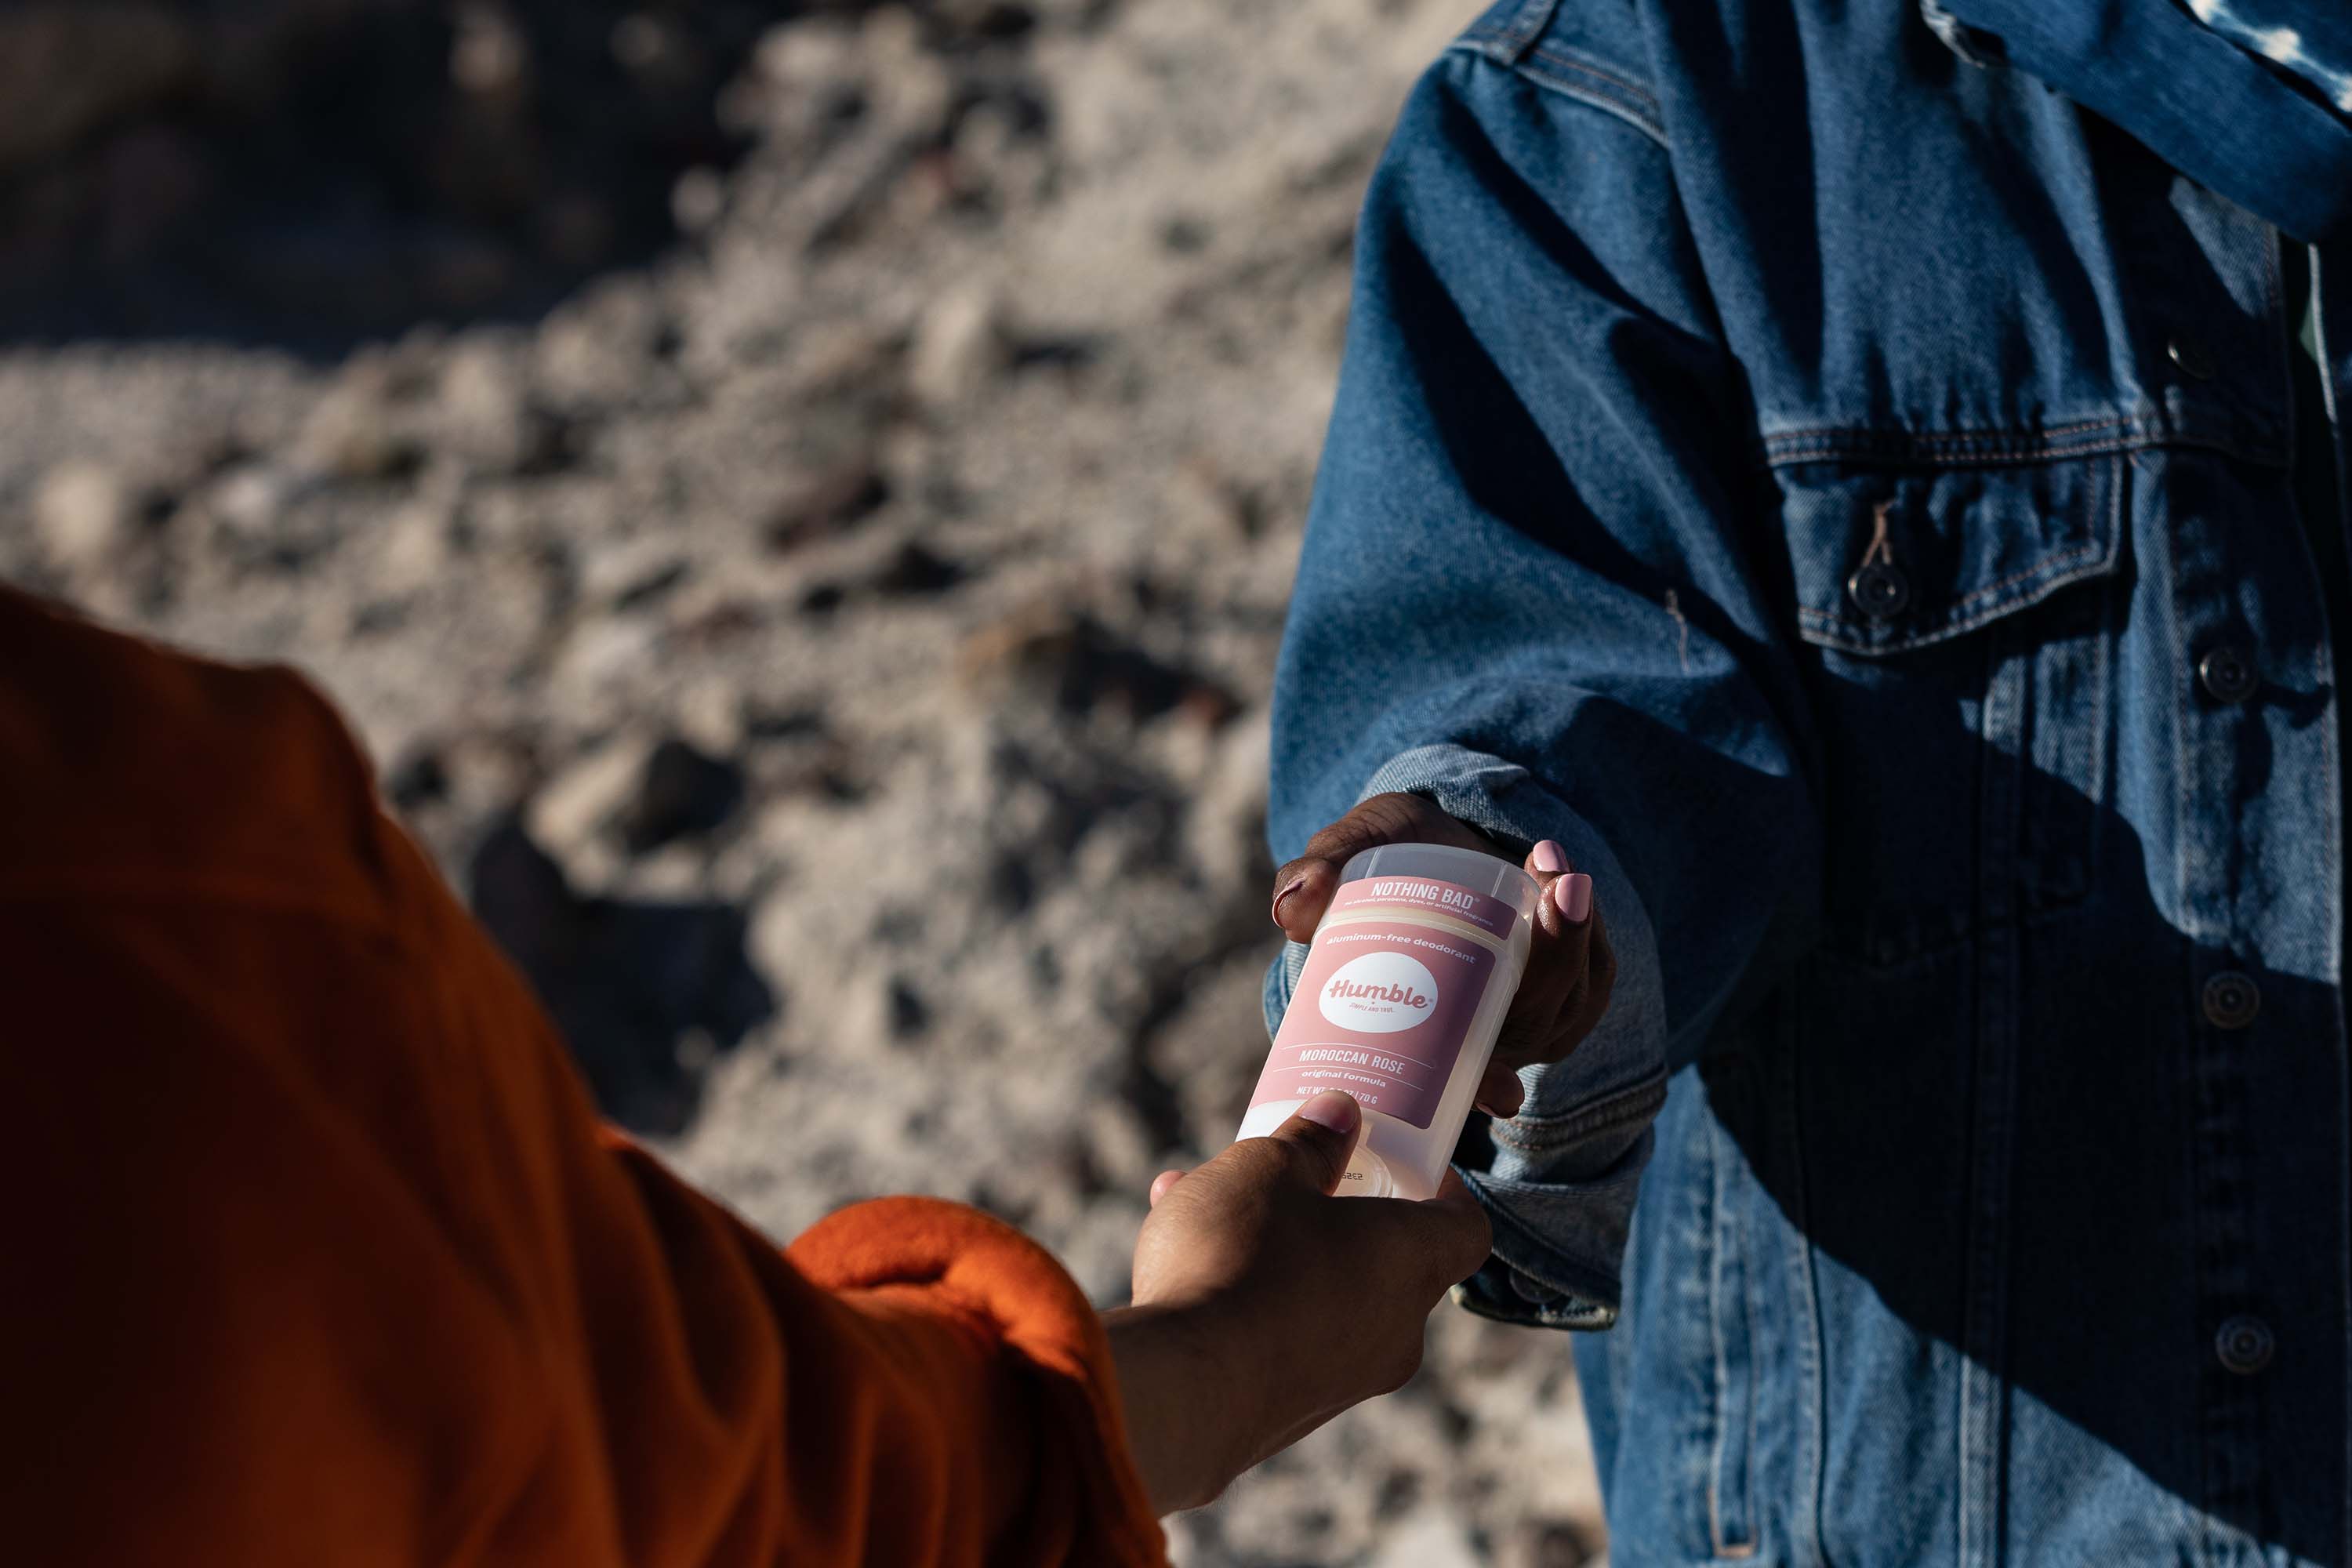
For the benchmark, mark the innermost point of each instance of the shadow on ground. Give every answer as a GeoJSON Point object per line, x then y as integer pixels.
{"type": "Point", "coordinates": [647, 994]}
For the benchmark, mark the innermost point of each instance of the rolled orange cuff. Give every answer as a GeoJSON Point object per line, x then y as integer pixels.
{"type": "Point", "coordinates": [948, 1256]}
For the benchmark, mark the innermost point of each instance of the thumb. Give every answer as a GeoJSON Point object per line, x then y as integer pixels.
{"type": "Point", "coordinates": [1317, 1139]}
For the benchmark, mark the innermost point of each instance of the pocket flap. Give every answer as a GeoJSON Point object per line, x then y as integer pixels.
{"type": "Point", "coordinates": [1889, 559]}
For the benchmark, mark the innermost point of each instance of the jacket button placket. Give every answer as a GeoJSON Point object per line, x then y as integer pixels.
{"type": "Point", "coordinates": [2228, 673]}
{"type": "Point", "coordinates": [2245, 1344]}
{"type": "Point", "coordinates": [1879, 590]}
{"type": "Point", "coordinates": [2231, 1000]}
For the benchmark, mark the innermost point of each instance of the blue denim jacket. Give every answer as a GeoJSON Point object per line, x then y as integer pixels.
{"type": "Point", "coordinates": [1842, 490]}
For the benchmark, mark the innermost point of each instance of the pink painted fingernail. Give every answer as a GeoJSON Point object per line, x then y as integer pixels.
{"type": "Point", "coordinates": [1331, 1109]}
{"type": "Point", "coordinates": [1550, 857]}
{"type": "Point", "coordinates": [1574, 894]}
{"type": "Point", "coordinates": [1296, 883]}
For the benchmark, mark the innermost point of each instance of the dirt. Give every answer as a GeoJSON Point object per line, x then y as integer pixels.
{"type": "Point", "coordinates": [824, 626]}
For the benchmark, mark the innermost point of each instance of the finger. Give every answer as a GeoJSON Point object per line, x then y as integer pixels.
{"type": "Point", "coordinates": [1499, 1090]}
{"type": "Point", "coordinates": [1573, 894]}
{"type": "Point", "coordinates": [1589, 1000]}
{"type": "Point", "coordinates": [1161, 1182]}
{"type": "Point", "coordinates": [1545, 860]}
{"type": "Point", "coordinates": [1455, 1230]}
{"type": "Point", "coordinates": [1567, 926]}
{"type": "Point", "coordinates": [1541, 1024]}
{"type": "Point", "coordinates": [1317, 1139]}
{"type": "Point", "coordinates": [1303, 889]}
{"type": "Point", "coordinates": [1549, 864]}
{"type": "Point", "coordinates": [1541, 990]}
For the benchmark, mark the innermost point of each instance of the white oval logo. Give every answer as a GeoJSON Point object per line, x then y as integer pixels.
{"type": "Point", "coordinates": [1379, 994]}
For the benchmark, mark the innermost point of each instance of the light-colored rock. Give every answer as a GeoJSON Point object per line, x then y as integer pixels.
{"type": "Point", "coordinates": [1430, 1539]}
{"type": "Point", "coordinates": [587, 796]}
{"type": "Point", "coordinates": [249, 498]}
{"type": "Point", "coordinates": [710, 714]}
{"type": "Point", "coordinates": [625, 571]}
{"type": "Point", "coordinates": [353, 433]}
{"type": "Point", "coordinates": [599, 652]}
{"type": "Point", "coordinates": [806, 55]}
{"type": "Point", "coordinates": [83, 512]}
{"type": "Point", "coordinates": [415, 546]}
{"type": "Point", "coordinates": [959, 344]}
{"type": "Point", "coordinates": [696, 199]}
{"type": "Point", "coordinates": [911, 86]}
{"type": "Point", "coordinates": [482, 403]}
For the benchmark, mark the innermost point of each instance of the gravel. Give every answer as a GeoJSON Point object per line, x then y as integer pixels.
{"type": "Point", "coordinates": [821, 612]}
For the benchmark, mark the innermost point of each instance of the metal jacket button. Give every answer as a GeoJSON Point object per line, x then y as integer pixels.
{"type": "Point", "coordinates": [2190, 356]}
{"type": "Point", "coordinates": [2231, 1000]}
{"type": "Point", "coordinates": [1879, 590]}
{"type": "Point", "coordinates": [2228, 673]}
{"type": "Point", "coordinates": [2245, 1344]}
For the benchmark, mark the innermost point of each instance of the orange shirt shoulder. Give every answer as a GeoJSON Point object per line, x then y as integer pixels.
{"type": "Point", "coordinates": [322, 1255]}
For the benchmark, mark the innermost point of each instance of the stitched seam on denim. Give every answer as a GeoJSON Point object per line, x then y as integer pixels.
{"type": "Point", "coordinates": [1551, 1257]}
{"type": "Point", "coordinates": [1718, 1251]}
{"type": "Point", "coordinates": [1982, 617]}
{"type": "Point", "coordinates": [1980, 598]}
{"type": "Point", "coordinates": [1606, 1107]}
{"type": "Point", "coordinates": [1998, 432]}
{"type": "Point", "coordinates": [1505, 42]}
{"type": "Point", "coordinates": [1600, 98]}
{"type": "Point", "coordinates": [1895, 451]}
{"type": "Point", "coordinates": [1956, 457]}
{"type": "Point", "coordinates": [2332, 740]}
{"type": "Point", "coordinates": [1586, 1299]}
{"type": "Point", "coordinates": [1511, 38]}
{"type": "Point", "coordinates": [2010, 661]}
{"type": "Point", "coordinates": [1578, 1313]}
{"type": "Point", "coordinates": [1984, 606]}
{"type": "Point", "coordinates": [1641, 96]}
{"type": "Point", "coordinates": [1635, 1104]}
{"type": "Point", "coordinates": [1531, 19]}
{"type": "Point", "coordinates": [1606, 96]}
{"type": "Point", "coordinates": [1807, 1343]}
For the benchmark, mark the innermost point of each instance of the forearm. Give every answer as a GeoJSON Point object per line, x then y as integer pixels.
{"type": "Point", "coordinates": [1192, 1400]}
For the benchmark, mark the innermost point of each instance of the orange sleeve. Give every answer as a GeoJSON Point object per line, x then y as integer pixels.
{"type": "Point", "coordinates": [316, 1253]}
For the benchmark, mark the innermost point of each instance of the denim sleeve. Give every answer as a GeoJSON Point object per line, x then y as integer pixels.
{"type": "Point", "coordinates": [1536, 588]}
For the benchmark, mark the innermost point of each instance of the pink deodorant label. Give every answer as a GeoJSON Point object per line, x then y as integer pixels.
{"type": "Point", "coordinates": [1383, 1007]}
{"type": "Point", "coordinates": [1491, 915]}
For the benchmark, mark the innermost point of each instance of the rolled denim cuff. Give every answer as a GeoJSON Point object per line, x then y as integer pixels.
{"type": "Point", "coordinates": [1567, 1169]}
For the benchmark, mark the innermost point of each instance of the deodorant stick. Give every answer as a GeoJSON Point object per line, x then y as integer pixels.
{"type": "Point", "coordinates": [1405, 987]}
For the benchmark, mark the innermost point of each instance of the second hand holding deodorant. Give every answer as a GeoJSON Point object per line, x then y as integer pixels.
{"type": "Point", "coordinates": [1405, 987]}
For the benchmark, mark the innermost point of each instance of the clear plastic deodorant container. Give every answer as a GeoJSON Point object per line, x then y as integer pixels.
{"type": "Point", "coordinates": [1405, 990]}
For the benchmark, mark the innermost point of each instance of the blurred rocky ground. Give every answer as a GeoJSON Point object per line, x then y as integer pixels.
{"type": "Point", "coordinates": [800, 503]}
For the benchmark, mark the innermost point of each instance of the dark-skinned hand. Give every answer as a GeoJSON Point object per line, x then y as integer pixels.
{"type": "Point", "coordinates": [1264, 1305]}
{"type": "Point", "coordinates": [1570, 968]}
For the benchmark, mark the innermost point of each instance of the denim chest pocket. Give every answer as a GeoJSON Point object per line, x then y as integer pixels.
{"type": "Point", "coordinates": [1961, 621]}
